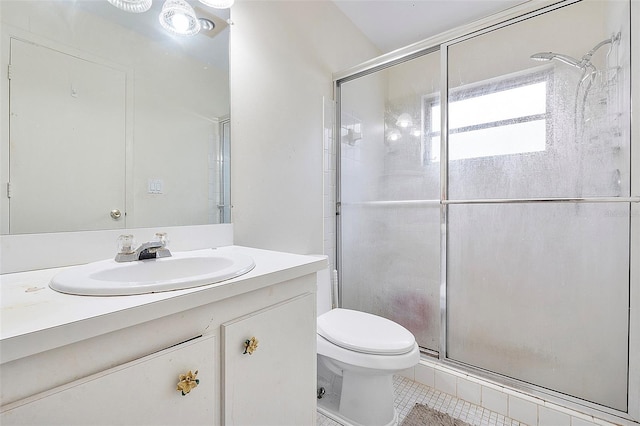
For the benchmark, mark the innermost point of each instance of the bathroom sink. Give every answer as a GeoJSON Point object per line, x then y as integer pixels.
{"type": "Point", "coordinates": [180, 271]}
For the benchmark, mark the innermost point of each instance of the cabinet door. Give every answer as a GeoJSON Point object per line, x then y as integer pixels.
{"type": "Point", "coordinates": [276, 384]}
{"type": "Point", "coordinates": [141, 392]}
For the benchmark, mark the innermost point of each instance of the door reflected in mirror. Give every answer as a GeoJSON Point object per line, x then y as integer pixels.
{"type": "Point", "coordinates": [106, 111]}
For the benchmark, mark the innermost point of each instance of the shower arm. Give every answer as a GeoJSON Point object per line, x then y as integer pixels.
{"type": "Point", "coordinates": [585, 61]}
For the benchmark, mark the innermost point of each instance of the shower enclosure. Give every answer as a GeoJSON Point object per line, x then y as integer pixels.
{"type": "Point", "coordinates": [485, 199]}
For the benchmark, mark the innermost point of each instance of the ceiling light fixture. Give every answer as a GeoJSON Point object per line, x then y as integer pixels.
{"type": "Point", "coordinates": [133, 6]}
{"type": "Point", "coordinates": [178, 17]}
{"type": "Point", "coordinates": [394, 135]}
{"type": "Point", "coordinates": [218, 4]}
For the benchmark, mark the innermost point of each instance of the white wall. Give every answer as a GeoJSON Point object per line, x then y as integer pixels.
{"type": "Point", "coordinates": [282, 58]}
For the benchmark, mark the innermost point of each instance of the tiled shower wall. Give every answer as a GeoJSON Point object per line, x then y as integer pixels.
{"type": "Point", "coordinates": [329, 169]}
{"type": "Point", "coordinates": [509, 402]}
{"type": "Point", "coordinates": [215, 163]}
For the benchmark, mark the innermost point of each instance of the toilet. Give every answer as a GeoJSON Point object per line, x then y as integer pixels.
{"type": "Point", "coordinates": [358, 354]}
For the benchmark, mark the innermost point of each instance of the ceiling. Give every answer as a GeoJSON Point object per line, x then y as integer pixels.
{"type": "Point", "coordinates": [389, 24]}
{"type": "Point", "coordinates": [211, 49]}
{"type": "Point", "coordinates": [392, 24]}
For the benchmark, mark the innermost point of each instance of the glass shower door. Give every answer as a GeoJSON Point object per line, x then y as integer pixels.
{"type": "Point", "coordinates": [390, 209]}
{"type": "Point", "coordinates": [537, 283]}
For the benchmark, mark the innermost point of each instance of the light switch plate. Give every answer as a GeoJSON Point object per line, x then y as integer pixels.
{"type": "Point", "coordinates": [156, 186]}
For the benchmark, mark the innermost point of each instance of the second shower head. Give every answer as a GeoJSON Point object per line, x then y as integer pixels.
{"type": "Point", "coordinates": [550, 56]}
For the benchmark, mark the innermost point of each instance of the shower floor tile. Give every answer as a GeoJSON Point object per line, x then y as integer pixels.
{"type": "Point", "coordinates": [408, 393]}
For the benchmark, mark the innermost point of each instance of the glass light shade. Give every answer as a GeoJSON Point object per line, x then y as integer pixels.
{"type": "Point", "coordinates": [134, 6]}
{"type": "Point", "coordinates": [393, 135]}
{"type": "Point", "coordinates": [404, 120]}
{"type": "Point", "coordinates": [178, 17]}
{"type": "Point", "coordinates": [218, 4]}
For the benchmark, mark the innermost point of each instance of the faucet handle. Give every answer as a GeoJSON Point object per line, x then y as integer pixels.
{"type": "Point", "coordinates": [162, 238]}
{"type": "Point", "coordinates": [126, 244]}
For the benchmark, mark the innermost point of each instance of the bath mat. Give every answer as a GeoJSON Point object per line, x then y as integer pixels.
{"type": "Point", "coordinates": [421, 415]}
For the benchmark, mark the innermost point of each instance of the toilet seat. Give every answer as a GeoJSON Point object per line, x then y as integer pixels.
{"type": "Point", "coordinates": [365, 333]}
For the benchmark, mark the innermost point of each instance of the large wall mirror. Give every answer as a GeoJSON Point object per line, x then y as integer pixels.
{"type": "Point", "coordinates": [109, 121]}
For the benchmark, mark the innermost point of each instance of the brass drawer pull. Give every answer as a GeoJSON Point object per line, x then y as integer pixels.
{"type": "Point", "coordinates": [188, 382]}
{"type": "Point", "coordinates": [250, 346]}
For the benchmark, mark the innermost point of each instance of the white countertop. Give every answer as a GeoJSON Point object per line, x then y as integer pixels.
{"type": "Point", "coordinates": [35, 318]}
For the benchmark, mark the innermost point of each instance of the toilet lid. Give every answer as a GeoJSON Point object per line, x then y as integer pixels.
{"type": "Point", "coordinates": [363, 332]}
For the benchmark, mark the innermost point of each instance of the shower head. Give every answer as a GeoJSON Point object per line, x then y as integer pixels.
{"type": "Point", "coordinates": [583, 63]}
{"type": "Point", "coordinates": [549, 56]}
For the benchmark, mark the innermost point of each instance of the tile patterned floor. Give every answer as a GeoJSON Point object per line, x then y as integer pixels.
{"type": "Point", "coordinates": [408, 393]}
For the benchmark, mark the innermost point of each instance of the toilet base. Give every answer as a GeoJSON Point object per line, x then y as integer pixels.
{"type": "Point", "coordinates": [356, 399]}
{"type": "Point", "coordinates": [367, 399]}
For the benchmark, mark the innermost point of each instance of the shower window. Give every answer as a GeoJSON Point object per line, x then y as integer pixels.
{"type": "Point", "coordinates": [508, 116]}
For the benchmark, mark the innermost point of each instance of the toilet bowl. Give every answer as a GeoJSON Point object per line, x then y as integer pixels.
{"type": "Point", "coordinates": [358, 354]}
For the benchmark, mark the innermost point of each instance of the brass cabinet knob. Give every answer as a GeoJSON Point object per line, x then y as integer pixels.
{"type": "Point", "coordinates": [187, 382]}
{"type": "Point", "coordinates": [250, 346]}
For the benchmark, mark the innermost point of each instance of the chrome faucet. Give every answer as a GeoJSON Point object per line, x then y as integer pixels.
{"type": "Point", "coordinates": [148, 250]}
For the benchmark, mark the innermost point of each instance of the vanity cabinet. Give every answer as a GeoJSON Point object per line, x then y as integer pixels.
{"type": "Point", "coordinates": [258, 388]}
{"type": "Point", "coordinates": [121, 364]}
{"type": "Point", "coordinates": [140, 392]}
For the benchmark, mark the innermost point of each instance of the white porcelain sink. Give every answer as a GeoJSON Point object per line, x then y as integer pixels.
{"type": "Point", "coordinates": [180, 271]}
